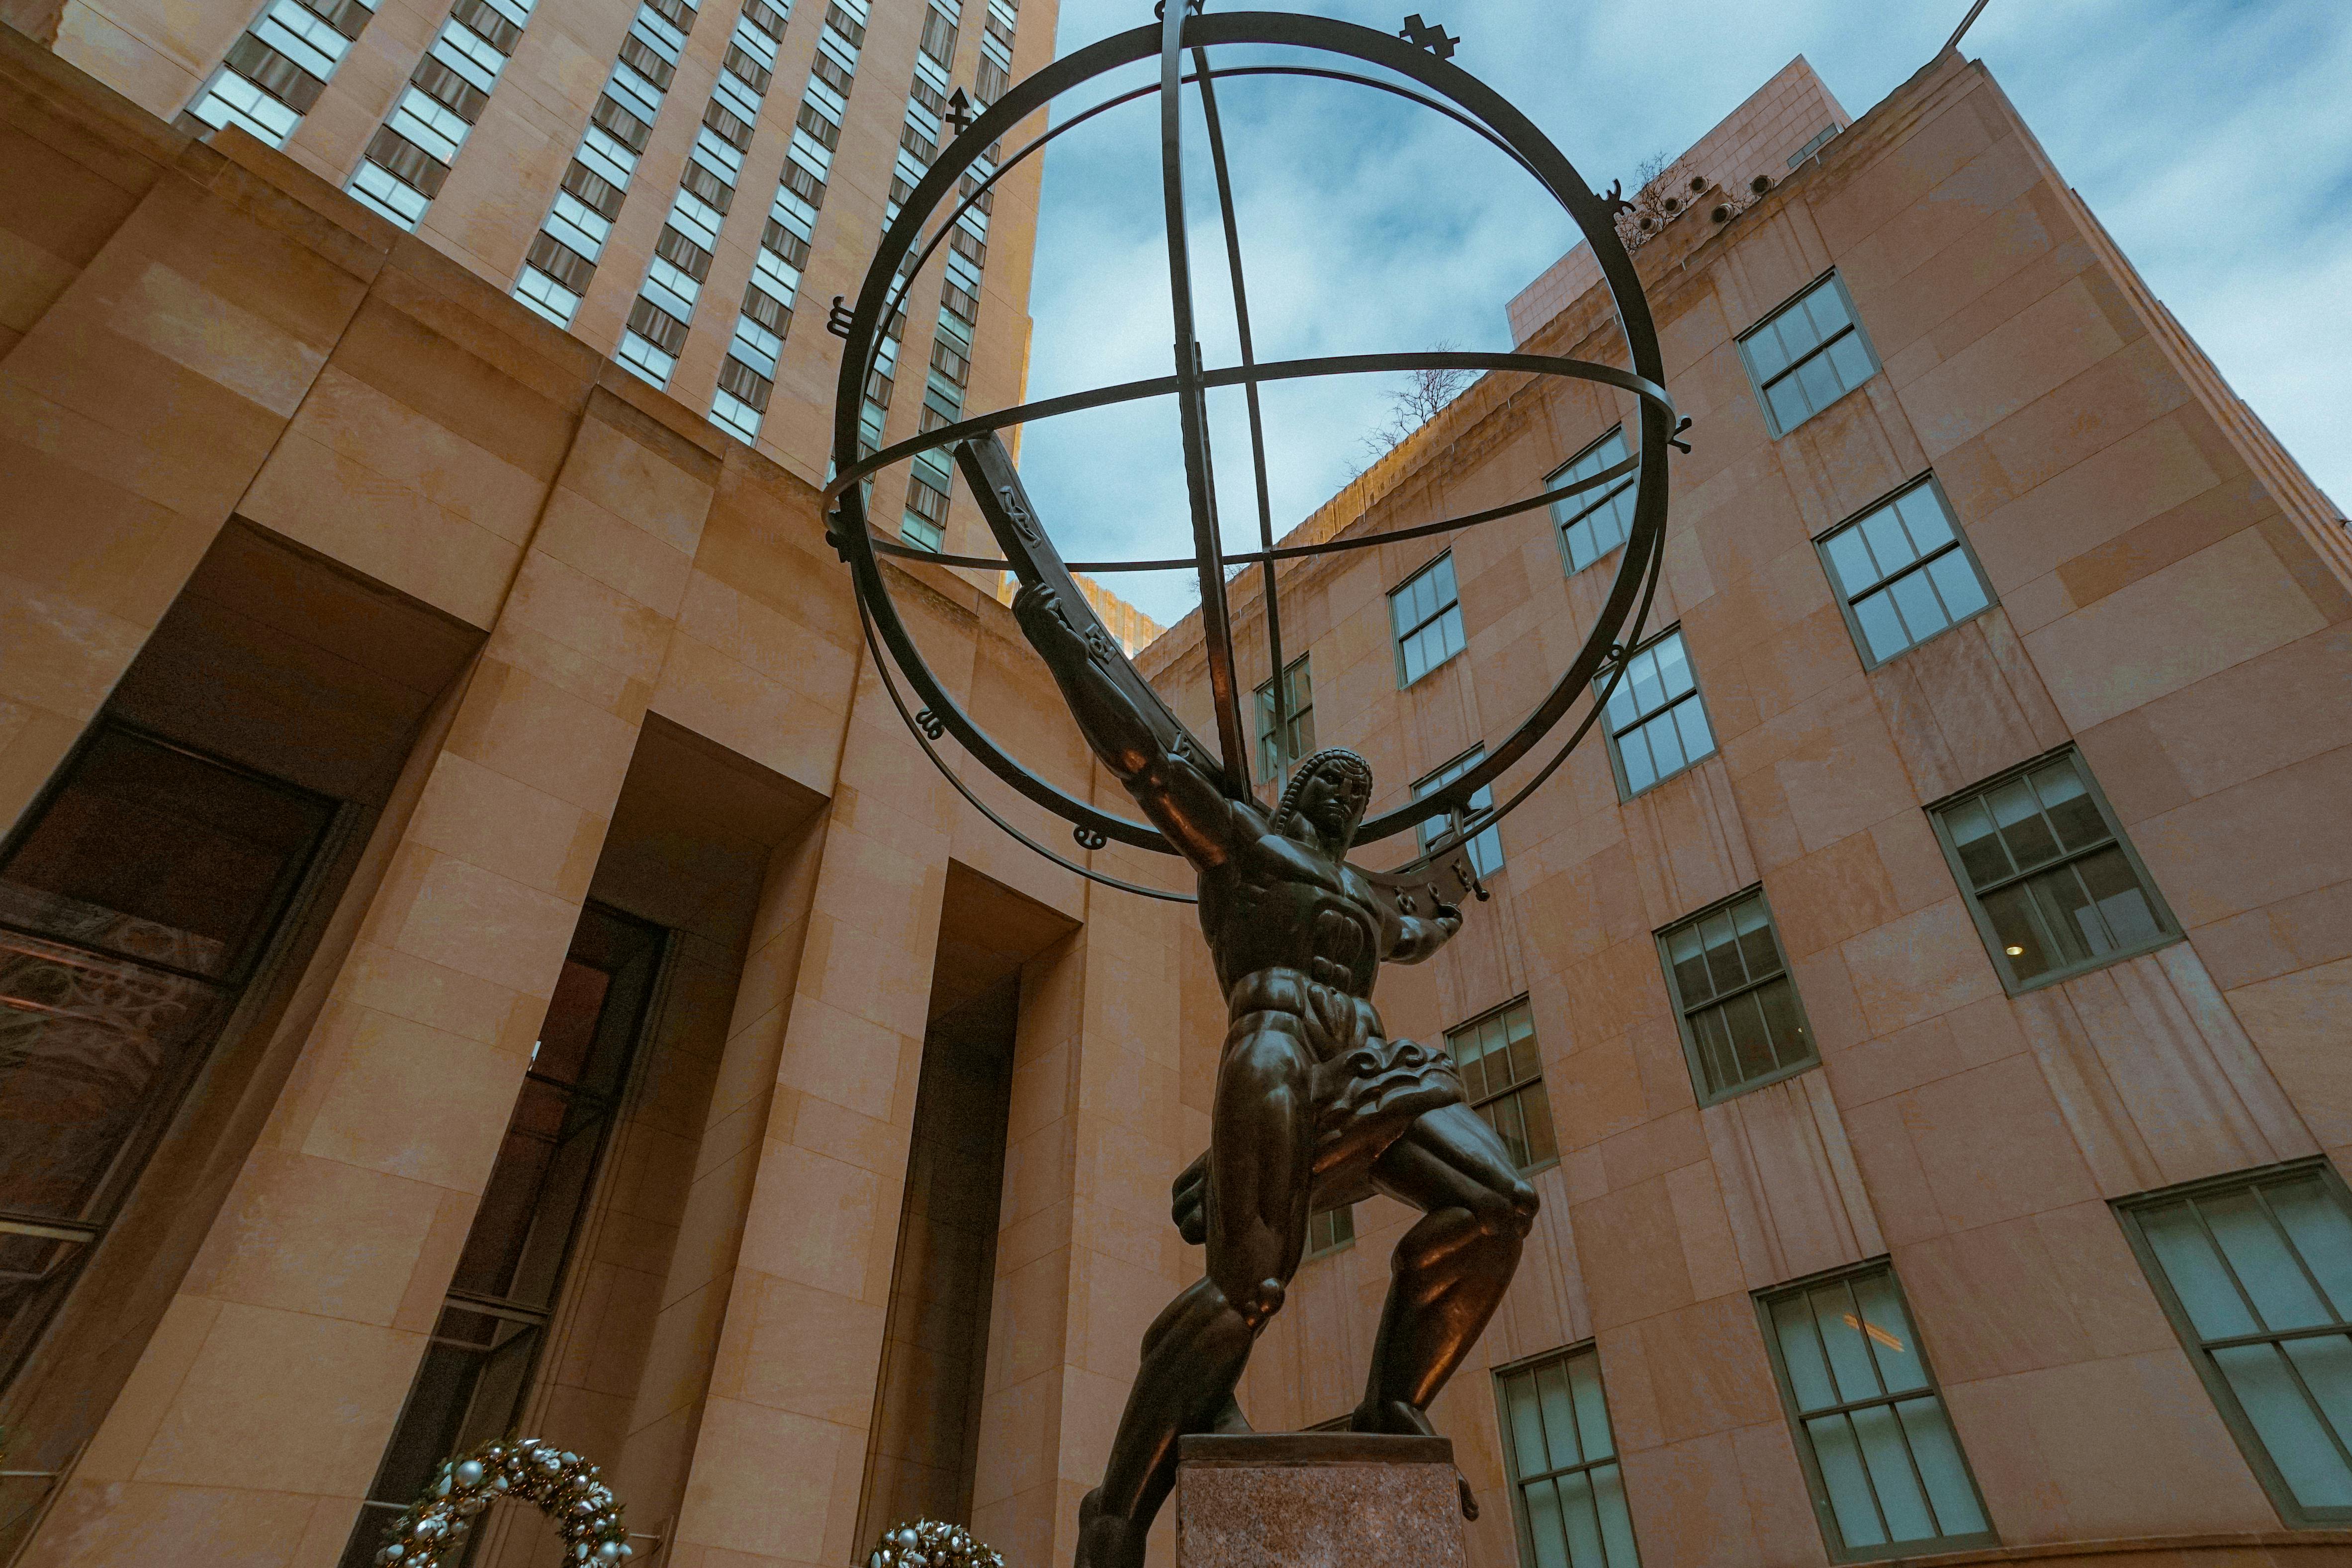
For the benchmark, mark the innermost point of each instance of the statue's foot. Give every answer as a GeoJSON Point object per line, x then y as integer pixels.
{"type": "Point", "coordinates": [1105, 1540]}
{"type": "Point", "coordinates": [1394, 1416]}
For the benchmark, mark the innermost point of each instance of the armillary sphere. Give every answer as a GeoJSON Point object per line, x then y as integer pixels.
{"type": "Point", "coordinates": [1415, 58]}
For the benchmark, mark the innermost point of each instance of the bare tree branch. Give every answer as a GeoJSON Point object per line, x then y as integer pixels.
{"type": "Point", "coordinates": [1422, 396]}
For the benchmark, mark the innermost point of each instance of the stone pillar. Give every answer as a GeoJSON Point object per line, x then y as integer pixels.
{"type": "Point", "coordinates": [1318, 1499]}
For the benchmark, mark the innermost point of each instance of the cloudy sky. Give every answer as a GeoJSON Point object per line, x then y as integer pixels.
{"type": "Point", "coordinates": [2210, 137]}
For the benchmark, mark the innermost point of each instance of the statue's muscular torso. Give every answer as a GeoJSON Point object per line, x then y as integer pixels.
{"type": "Point", "coordinates": [1276, 903]}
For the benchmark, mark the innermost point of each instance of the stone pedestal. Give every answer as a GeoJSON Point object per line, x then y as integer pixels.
{"type": "Point", "coordinates": [1318, 1499]}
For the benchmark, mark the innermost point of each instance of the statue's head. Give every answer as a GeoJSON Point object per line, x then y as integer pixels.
{"type": "Point", "coordinates": [1330, 790]}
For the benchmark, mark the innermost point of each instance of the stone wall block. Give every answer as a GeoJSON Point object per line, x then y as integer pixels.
{"type": "Point", "coordinates": [1790, 1186]}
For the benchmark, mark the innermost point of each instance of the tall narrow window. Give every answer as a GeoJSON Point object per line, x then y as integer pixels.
{"type": "Point", "coordinates": [1655, 723]}
{"type": "Point", "coordinates": [1329, 1230]}
{"type": "Point", "coordinates": [478, 1362]}
{"type": "Point", "coordinates": [1885, 1467]}
{"type": "Point", "coordinates": [1276, 753]}
{"type": "Point", "coordinates": [1486, 849]}
{"type": "Point", "coordinates": [1593, 522]}
{"type": "Point", "coordinates": [1503, 1073]}
{"type": "Point", "coordinates": [1904, 572]}
{"type": "Point", "coordinates": [1807, 354]}
{"type": "Point", "coordinates": [1742, 1024]}
{"type": "Point", "coordinates": [2256, 1274]}
{"type": "Point", "coordinates": [2055, 888]}
{"type": "Point", "coordinates": [134, 906]}
{"type": "Point", "coordinates": [1426, 615]}
{"type": "Point", "coordinates": [1569, 1492]}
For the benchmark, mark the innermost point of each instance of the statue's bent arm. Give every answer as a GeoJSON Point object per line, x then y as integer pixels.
{"type": "Point", "coordinates": [1181, 800]}
{"type": "Point", "coordinates": [1410, 939]}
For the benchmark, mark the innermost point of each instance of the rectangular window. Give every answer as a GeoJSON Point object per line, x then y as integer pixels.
{"type": "Point", "coordinates": [134, 904]}
{"type": "Point", "coordinates": [1742, 1024]}
{"type": "Point", "coordinates": [1593, 522]}
{"type": "Point", "coordinates": [1426, 615]}
{"type": "Point", "coordinates": [1486, 849]}
{"type": "Point", "coordinates": [1807, 354]}
{"type": "Point", "coordinates": [1881, 1458]}
{"type": "Point", "coordinates": [1329, 1230]}
{"type": "Point", "coordinates": [1502, 1072]}
{"type": "Point", "coordinates": [1656, 724]}
{"type": "Point", "coordinates": [479, 1358]}
{"type": "Point", "coordinates": [2256, 1275]}
{"type": "Point", "coordinates": [1904, 572]}
{"type": "Point", "coordinates": [1298, 705]}
{"type": "Point", "coordinates": [1569, 1492]}
{"type": "Point", "coordinates": [2055, 888]}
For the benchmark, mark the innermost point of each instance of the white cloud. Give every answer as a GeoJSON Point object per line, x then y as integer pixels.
{"type": "Point", "coordinates": [2210, 139]}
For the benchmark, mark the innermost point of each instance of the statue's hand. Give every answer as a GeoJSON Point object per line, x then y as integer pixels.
{"type": "Point", "coordinates": [1038, 608]}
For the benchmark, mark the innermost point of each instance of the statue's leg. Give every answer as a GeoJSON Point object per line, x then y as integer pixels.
{"type": "Point", "coordinates": [1450, 1269]}
{"type": "Point", "coordinates": [1261, 1169]}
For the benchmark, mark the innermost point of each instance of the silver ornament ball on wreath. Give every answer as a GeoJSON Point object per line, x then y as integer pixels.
{"type": "Point", "coordinates": [927, 1543]}
{"type": "Point", "coordinates": [568, 1489]}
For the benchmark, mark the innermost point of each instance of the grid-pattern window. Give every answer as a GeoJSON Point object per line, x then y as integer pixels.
{"type": "Point", "coordinates": [134, 905]}
{"type": "Point", "coordinates": [1655, 723]}
{"type": "Point", "coordinates": [1563, 1456]}
{"type": "Point", "coordinates": [1902, 572]}
{"type": "Point", "coordinates": [2256, 1273]}
{"type": "Point", "coordinates": [1486, 847]}
{"type": "Point", "coordinates": [1503, 1075]}
{"type": "Point", "coordinates": [1593, 522]}
{"type": "Point", "coordinates": [277, 69]}
{"type": "Point", "coordinates": [1742, 1024]}
{"type": "Point", "coordinates": [1327, 1230]}
{"type": "Point", "coordinates": [1808, 354]}
{"type": "Point", "coordinates": [1276, 753]}
{"type": "Point", "coordinates": [412, 151]}
{"type": "Point", "coordinates": [1884, 1463]}
{"type": "Point", "coordinates": [478, 1359]}
{"type": "Point", "coordinates": [1426, 615]}
{"type": "Point", "coordinates": [2055, 888]}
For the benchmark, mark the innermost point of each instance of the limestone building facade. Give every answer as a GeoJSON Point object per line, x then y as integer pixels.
{"type": "Point", "coordinates": [483, 951]}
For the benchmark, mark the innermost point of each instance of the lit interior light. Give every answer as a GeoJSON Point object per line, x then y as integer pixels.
{"type": "Point", "coordinates": [2014, 951]}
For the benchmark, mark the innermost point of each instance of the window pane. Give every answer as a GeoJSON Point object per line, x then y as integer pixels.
{"type": "Point", "coordinates": [1900, 1501]}
{"type": "Point", "coordinates": [1558, 1416]}
{"type": "Point", "coordinates": [1510, 1125]}
{"type": "Point", "coordinates": [1924, 519]}
{"type": "Point", "coordinates": [1687, 954]}
{"type": "Point", "coordinates": [1791, 1041]}
{"type": "Point", "coordinates": [2321, 1234]}
{"type": "Point", "coordinates": [1665, 744]}
{"type": "Point", "coordinates": [2072, 813]}
{"type": "Point", "coordinates": [1535, 1109]}
{"type": "Point", "coordinates": [2019, 934]}
{"type": "Point", "coordinates": [1714, 1049]}
{"type": "Point", "coordinates": [1616, 1522]}
{"type": "Point", "coordinates": [1938, 1454]}
{"type": "Point", "coordinates": [1766, 354]}
{"type": "Point", "coordinates": [1801, 1353]}
{"type": "Point", "coordinates": [1836, 1451]}
{"type": "Point", "coordinates": [2215, 1309]}
{"type": "Point", "coordinates": [1881, 628]}
{"type": "Point", "coordinates": [2018, 816]}
{"type": "Point", "coordinates": [2068, 915]}
{"type": "Point", "coordinates": [2326, 1364]}
{"type": "Point", "coordinates": [2289, 1427]}
{"type": "Point", "coordinates": [1827, 307]}
{"type": "Point", "coordinates": [1849, 1352]}
{"type": "Point", "coordinates": [1578, 1513]}
{"type": "Point", "coordinates": [1978, 846]}
{"type": "Point", "coordinates": [1787, 401]}
{"type": "Point", "coordinates": [1642, 679]}
{"type": "Point", "coordinates": [1524, 1064]}
{"type": "Point", "coordinates": [1888, 1330]}
{"type": "Point", "coordinates": [2114, 888]}
{"type": "Point", "coordinates": [1955, 580]}
{"type": "Point", "coordinates": [1528, 1450]}
{"type": "Point", "coordinates": [1821, 382]}
{"type": "Point", "coordinates": [1754, 928]}
{"type": "Point", "coordinates": [1722, 964]}
{"type": "Point", "coordinates": [2257, 1253]}
{"type": "Point", "coordinates": [1592, 1409]}
{"type": "Point", "coordinates": [1545, 1529]}
{"type": "Point", "coordinates": [1889, 545]}
{"type": "Point", "coordinates": [1751, 1044]}
{"type": "Point", "coordinates": [1673, 665]}
{"type": "Point", "coordinates": [1690, 728]}
{"type": "Point", "coordinates": [1850, 360]}
{"type": "Point", "coordinates": [1850, 559]}
{"type": "Point", "coordinates": [1634, 751]}
{"type": "Point", "coordinates": [1922, 614]}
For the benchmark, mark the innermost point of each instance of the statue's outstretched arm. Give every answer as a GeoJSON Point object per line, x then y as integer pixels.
{"type": "Point", "coordinates": [1181, 800]}
{"type": "Point", "coordinates": [1409, 938]}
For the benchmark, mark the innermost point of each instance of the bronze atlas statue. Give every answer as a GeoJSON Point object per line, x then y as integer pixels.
{"type": "Point", "coordinates": [1315, 1104]}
